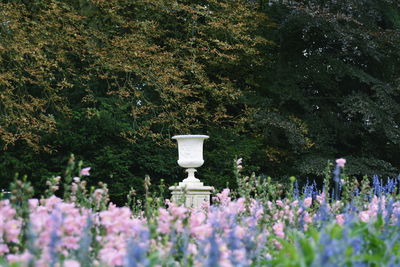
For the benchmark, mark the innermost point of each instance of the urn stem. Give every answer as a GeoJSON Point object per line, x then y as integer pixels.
{"type": "Point", "coordinates": [191, 178]}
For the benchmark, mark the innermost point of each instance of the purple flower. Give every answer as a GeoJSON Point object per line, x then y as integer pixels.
{"type": "Point", "coordinates": [85, 171]}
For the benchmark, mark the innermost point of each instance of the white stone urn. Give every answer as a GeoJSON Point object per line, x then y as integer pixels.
{"type": "Point", "coordinates": [190, 151]}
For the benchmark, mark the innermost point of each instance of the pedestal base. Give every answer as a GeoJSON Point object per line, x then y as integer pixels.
{"type": "Point", "coordinates": [193, 195]}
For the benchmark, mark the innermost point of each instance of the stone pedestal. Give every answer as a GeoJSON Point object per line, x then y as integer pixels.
{"type": "Point", "coordinates": [194, 193]}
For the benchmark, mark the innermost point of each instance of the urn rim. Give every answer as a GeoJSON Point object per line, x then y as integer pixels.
{"type": "Point", "coordinates": [189, 136]}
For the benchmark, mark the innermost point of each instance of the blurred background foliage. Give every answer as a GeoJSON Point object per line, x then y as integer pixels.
{"type": "Point", "coordinates": [286, 85]}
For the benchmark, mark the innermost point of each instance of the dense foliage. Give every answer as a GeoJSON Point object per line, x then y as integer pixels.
{"type": "Point", "coordinates": [337, 72]}
{"type": "Point", "coordinates": [357, 226]}
{"type": "Point", "coordinates": [284, 84]}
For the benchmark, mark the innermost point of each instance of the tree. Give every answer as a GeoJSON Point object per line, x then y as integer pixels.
{"type": "Point", "coordinates": [337, 73]}
{"type": "Point", "coordinates": [112, 81]}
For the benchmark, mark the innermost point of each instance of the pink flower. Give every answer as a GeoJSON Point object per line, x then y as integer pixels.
{"type": "Point", "coordinates": [307, 217]}
{"type": "Point", "coordinates": [205, 206]}
{"type": "Point", "coordinates": [85, 171]}
{"type": "Point", "coordinates": [277, 244]}
{"type": "Point", "coordinates": [20, 258]}
{"type": "Point", "coordinates": [278, 229]}
{"type": "Point", "coordinates": [52, 201]}
{"type": "Point", "coordinates": [364, 216]}
{"type": "Point", "coordinates": [307, 202]}
{"type": "Point", "coordinates": [197, 219]}
{"type": "Point", "coordinates": [13, 230]}
{"type": "Point", "coordinates": [98, 194]}
{"type": "Point", "coordinates": [240, 231]}
{"type": "Point", "coordinates": [340, 219]}
{"type": "Point", "coordinates": [192, 248]}
{"type": "Point", "coordinates": [33, 203]}
{"type": "Point", "coordinates": [321, 198]}
{"type": "Point", "coordinates": [178, 212]}
{"type": "Point", "coordinates": [112, 256]}
{"type": "Point", "coordinates": [259, 213]}
{"type": "Point", "coordinates": [202, 231]}
{"type": "Point", "coordinates": [341, 162]}
{"type": "Point", "coordinates": [164, 221]}
{"type": "Point", "coordinates": [279, 203]}
{"type": "Point", "coordinates": [3, 249]}
{"type": "Point", "coordinates": [236, 207]}
{"type": "Point", "coordinates": [71, 263]}
{"type": "Point", "coordinates": [164, 227]}
{"type": "Point", "coordinates": [223, 197]}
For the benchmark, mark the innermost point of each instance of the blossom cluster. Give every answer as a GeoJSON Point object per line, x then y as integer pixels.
{"type": "Point", "coordinates": [229, 233]}
{"type": "Point", "coordinates": [233, 231]}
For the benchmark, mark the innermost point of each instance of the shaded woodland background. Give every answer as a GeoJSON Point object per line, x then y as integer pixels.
{"type": "Point", "coordinates": [286, 85]}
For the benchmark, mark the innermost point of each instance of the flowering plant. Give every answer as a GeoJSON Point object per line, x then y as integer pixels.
{"type": "Point", "coordinates": [267, 225]}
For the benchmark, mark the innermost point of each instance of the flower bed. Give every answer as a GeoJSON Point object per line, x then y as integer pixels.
{"type": "Point", "coordinates": [357, 227]}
